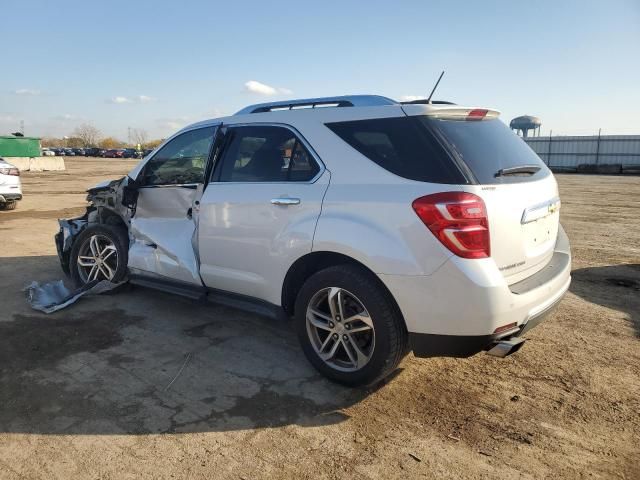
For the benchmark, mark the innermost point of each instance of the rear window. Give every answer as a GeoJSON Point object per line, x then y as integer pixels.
{"type": "Point", "coordinates": [403, 146]}
{"type": "Point", "coordinates": [486, 147]}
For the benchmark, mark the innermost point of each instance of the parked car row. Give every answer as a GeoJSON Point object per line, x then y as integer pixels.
{"type": "Point", "coordinates": [96, 152]}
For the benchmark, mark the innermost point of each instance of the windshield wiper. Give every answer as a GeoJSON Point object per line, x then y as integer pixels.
{"type": "Point", "coordinates": [519, 170]}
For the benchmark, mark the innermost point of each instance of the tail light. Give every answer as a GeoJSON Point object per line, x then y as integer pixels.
{"type": "Point", "coordinates": [459, 220]}
{"type": "Point", "coordinates": [10, 171]}
{"type": "Point", "coordinates": [477, 114]}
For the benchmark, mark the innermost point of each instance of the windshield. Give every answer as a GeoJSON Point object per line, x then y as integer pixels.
{"type": "Point", "coordinates": [490, 149]}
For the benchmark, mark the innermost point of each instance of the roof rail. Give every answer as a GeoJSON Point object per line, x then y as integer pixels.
{"type": "Point", "coordinates": [343, 101]}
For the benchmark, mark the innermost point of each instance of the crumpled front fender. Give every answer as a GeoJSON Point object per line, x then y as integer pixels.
{"type": "Point", "coordinates": [70, 228]}
{"type": "Point", "coordinates": [105, 202]}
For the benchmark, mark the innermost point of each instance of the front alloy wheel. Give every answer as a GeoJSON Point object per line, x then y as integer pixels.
{"type": "Point", "coordinates": [97, 259]}
{"type": "Point", "coordinates": [340, 329]}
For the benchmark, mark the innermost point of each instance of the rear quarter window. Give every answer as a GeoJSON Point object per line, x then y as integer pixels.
{"type": "Point", "coordinates": [403, 146]}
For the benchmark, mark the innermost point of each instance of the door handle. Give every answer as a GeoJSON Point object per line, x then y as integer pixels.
{"type": "Point", "coordinates": [285, 201]}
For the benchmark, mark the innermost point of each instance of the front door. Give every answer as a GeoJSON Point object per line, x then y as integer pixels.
{"type": "Point", "coordinates": [259, 213]}
{"type": "Point", "coordinates": [164, 225]}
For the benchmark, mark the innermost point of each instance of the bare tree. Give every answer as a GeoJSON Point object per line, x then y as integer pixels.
{"type": "Point", "coordinates": [89, 134]}
{"type": "Point", "coordinates": [109, 143]}
{"type": "Point", "coordinates": [52, 142]}
{"type": "Point", "coordinates": [139, 136]}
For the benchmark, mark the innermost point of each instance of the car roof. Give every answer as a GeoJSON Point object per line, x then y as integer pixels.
{"type": "Point", "coordinates": [338, 108]}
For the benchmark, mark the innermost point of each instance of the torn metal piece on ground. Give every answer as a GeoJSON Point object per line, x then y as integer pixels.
{"type": "Point", "coordinates": [53, 296]}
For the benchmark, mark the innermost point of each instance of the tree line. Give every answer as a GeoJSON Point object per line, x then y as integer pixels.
{"type": "Point", "coordinates": [86, 135]}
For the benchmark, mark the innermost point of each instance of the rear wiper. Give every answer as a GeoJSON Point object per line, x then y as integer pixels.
{"type": "Point", "coordinates": [520, 170]}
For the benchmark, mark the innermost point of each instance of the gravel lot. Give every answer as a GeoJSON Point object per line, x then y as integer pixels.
{"type": "Point", "coordinates": [87, 392]}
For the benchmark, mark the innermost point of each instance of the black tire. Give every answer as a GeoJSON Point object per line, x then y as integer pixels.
{"type": "Point", "coordinates": [117, 235]}
{"type": "Point", "coordinates": [9, 205]}
{"type": "Point", "coordinates": [390, 332]}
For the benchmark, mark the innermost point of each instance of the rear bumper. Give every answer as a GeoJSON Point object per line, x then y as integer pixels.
{"type": "Point", "coordinates": [434, 345]}
{"type": "Point", "coordinates": [10, 197]}
{"type": "Point", "coordinates": [456, 310]}
{"type": "Point", "coordinates": [429, 345]}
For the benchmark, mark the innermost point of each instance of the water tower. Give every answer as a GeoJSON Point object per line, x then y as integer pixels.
{"type": "Point", "coordinates": [523, 124]}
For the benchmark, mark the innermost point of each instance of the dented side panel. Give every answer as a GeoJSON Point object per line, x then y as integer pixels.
{"type": "Point", "coordinates": [162, 234]}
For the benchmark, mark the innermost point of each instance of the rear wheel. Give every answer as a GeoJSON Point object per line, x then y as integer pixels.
{"type": "Point", "coordinates": [99, 253]}
{"type": "Point", "coordinates": [11, 205]}
{"type": "Point", "coordinates": [349, 327]}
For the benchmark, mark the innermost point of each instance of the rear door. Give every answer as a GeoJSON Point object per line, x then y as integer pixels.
{"type": "Point", "coordinates": [258, 215]}
{"type": "Point", "coordinates": [163, 228]}
{"type": "Point", "coordinates": [519, 191]}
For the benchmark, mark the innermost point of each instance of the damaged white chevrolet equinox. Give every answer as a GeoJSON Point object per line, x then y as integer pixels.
{"type": "Point", "coordinates": [380, 227]}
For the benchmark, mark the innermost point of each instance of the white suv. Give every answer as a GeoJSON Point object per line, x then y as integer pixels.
{"type": "Point", "coordinates": [379, 226]}
{"type": "Point", "coordinates": [10, 188]}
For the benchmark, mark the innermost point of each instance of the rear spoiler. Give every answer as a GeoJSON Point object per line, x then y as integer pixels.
{"type": "Point", "coordinates": [457, 113]}
{"type": "Point", "coordinates": [447, 112]}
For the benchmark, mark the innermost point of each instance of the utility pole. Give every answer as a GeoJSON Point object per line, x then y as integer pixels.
{"type": "Point", "coordinates": [598, 147]}
{"type": "Point", "coordinates": [129, 135]}
{"type": "Point", "coordinates": [22, 127]}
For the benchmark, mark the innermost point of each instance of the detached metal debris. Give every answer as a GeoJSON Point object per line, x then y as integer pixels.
{"type": "Point", "coordinates": [53, 296]}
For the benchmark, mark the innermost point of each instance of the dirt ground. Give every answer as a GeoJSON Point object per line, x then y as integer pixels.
{"type": "Point", "coordinates": [87, 392]}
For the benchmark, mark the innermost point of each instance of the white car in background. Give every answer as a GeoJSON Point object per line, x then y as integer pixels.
{"type": "Point", "coordinates": [10, 187]}
{"type": "Point", "coordinates": [379, 227]}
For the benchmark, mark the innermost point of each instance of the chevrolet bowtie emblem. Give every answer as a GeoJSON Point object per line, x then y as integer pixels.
{"type": "Point", "coordinates": [541, 210]}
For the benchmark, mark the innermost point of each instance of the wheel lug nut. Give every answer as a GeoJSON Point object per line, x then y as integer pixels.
{"type": "Point", "coordinates": [344, 337]}
{"type": "Point", "coordinates": [347, 326]}
{"type": "Point", "coordinates": [331, 325]}
{"type": "Point", "coordinates": [335, 336]}
{"type": "Point", "coordinates": [338, 318]}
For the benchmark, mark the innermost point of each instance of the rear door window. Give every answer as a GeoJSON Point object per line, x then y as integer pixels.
{"type": "Point", "coordinates": [265, 154]}
{"type": "Point", "coordinates": [403, 146]}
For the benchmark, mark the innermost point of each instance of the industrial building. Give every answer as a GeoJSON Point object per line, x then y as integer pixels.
{"type": "Point", "coordinates": [595, 153]}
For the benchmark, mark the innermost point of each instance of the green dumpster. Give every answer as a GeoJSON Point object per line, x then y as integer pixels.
{"type": "Point", "coordinates": [19, 146]}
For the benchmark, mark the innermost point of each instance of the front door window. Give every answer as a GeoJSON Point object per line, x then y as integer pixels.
{"type": "Point", "coordinates": [181, 161]}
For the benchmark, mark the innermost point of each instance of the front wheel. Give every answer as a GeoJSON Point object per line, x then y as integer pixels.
{"type": "Point", "coordinates": [349, 327]}
{"type": "Point", "coordinates": [99, 253]}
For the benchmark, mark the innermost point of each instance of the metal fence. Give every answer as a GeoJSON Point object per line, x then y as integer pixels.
{"type": "Point", "coordinates": [573, 151]}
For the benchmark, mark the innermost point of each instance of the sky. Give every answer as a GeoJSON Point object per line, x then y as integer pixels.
{"type": "Point", "coordinates": [159, 65]}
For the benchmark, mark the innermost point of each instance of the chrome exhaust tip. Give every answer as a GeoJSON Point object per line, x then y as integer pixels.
{"type": "Point", "coordinates": [502, 348]}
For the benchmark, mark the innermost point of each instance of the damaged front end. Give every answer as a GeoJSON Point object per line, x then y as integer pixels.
{"type": "Point", "coordinates": [110, 202]}
{"type": "Point", "coordinates": [69, 229]}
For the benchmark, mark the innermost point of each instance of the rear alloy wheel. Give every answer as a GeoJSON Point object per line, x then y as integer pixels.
{"type": "Point", "coordinates": [100, 252]}
{"type": "Point", "coordinates": [340, 329]}
{"type": "Point", "coordinates": [349, 327]}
